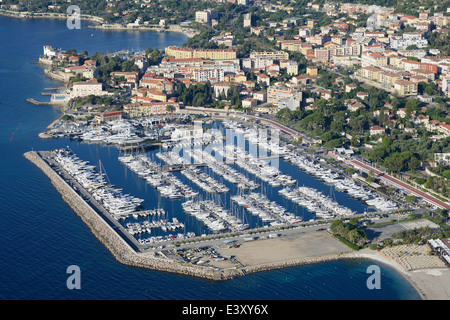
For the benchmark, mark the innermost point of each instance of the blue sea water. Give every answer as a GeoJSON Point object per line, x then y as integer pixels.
{"type": "Point", "coordinates": [41, 236]}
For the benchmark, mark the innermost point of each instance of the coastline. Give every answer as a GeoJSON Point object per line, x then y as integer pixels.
{"type": "Point", "coordinates": [171, 28]}
{"type": "Point", "coordinates": [112, 241]}
{"type": "Point", "coordinates": [32, 15]}
{"type": "Point", "coordinates": [100, 23]}
{"type": "Point", "coordinates": [431, 284]}
{"type": "Point", "coordinates": [425, 281]}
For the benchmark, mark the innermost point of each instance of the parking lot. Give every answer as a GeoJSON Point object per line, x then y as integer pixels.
{"type": "Point", "coordinates": [385, 232]}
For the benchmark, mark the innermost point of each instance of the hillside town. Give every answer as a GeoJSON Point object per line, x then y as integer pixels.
{"type": "Point", "coordinates": [346, 75]}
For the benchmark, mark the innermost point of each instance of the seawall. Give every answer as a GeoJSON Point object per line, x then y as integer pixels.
{"type": "Point", "coordinates": [297, 262]}
{"type": "Point", "coordinates": [112, 241]}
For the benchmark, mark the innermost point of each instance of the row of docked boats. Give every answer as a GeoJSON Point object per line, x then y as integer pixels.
{"type": "Point", "coordinates": [119, 205]}
{"type": "Point", "coordinates": [158, 240]}
{"type": "Point", "coordinates": [268, 211]}
{"type": "Point", "coordinates": [194, 174]}
{"type": "Point", "coordinates": [139, 228]}
{"type": "Point", "coordinates": [316, 202]}
{"type": "Point", "coordinates": [341, 183]}
{"type": "Point", "coordinates": [252, 164]}
{"type": "Point", "coordinates": [183, 138]}
{"type": "Point", "coordinates": [214, 216]}
{"type": "Point", "coordinates": [258, 136]}
{"type": "Point", "coordinates": [204, 181]}
{"type": "Point", "coordinates": [117, 132]}
{"type": "Point", "coordinates": [220, 168]}
{"type": "Point", "coordinates": [165, 182]}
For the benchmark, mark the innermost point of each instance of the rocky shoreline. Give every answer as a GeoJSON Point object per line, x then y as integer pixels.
{"type": "Point", "coordinates": [172, 28]}
{"type": "Point", "coordinates": [99, 22]}
{"type": "Point", "coordinates": [31, 15]}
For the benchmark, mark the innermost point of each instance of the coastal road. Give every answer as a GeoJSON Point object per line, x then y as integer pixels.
{"type": "Point", "coordinates": [278, 125]}
{"type": "Point", "coordinates": [427, 197]}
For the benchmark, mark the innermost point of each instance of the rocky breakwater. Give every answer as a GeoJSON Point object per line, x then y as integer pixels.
{"type": "Point", "coordinates": [296, 262]}
{"type": "Point", "coordinates": [113, 242]}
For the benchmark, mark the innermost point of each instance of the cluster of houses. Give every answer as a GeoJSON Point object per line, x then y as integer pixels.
{"type": "Point", "coordinates": [388, 56]}
{"type": "Point", "coordinates": [382, 58]}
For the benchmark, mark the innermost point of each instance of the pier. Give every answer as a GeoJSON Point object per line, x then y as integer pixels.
{"type": "Point", "coordinates": [42, 103]}
{"type": "Point", "coordinates": [180, 167]}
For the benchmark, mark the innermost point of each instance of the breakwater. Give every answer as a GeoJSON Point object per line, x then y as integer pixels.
{"type": "Point", "coordinates": [112, 241]}
{"type": "Point", "coordinates": [296, 262]}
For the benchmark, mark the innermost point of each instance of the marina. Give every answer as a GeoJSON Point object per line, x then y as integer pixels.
{"type": "Point", "coordinates": [165, 182]}
{"type": "Point", "coordinates": [215, 217]}
{"type": "Point", "coordinates": [222, 169]}
{"type": "Point", "coordinates": [341, 183]}
{"type": "Point", "coordinates": [268, 211]}
{"type": "Point", "coordinates": [202, 167]}
{"type": "Point", "coordinates": [315, 201]}
{"type": "Point", "coordinates": [119, 205]}
{"type": "Point", "coordinates": [29, 195]}
{"type": "Point", "coordinates": [194, 212]}
{"type": "Point", "coordinates": [260, 168]}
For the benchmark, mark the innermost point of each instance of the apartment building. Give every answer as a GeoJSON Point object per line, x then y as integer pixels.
{"type": "Point", "coordinates": [145, 109]}
{"type": "Point", "coordinates": [213, 54]}
{"type": "Point", "coordinates": [275, 55]}
{"type": "Point", "coordinates": [202, 17]}
{"type": "Point", "coordinates": [405, 87]}
{"type": "Point", "coordinates": [370, 73]}
{"type": "Point", "coordinates": [446, 86]}
{"type": "Point", "coordinates": [87, 88]}
{"type": "Point", "coordinates": [279, 92]}
{"type": "Point", "coordinates": [389, 78]}
{"type": "Point", "coordinates": [213, 75]}
{"type": "Point", "coordinates": [292, 45]}
{"type": "Point", "coordinates": [373, 59]}
{"type": "Point", "coordinates": [408, 40]}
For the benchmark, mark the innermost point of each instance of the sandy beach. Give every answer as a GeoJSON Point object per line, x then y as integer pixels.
{"type": "Point", "coordinates": [314, 247]}
{"type": "Point", "coordinates": [431, 283]}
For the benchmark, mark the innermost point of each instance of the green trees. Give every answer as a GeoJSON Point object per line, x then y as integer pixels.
{"type": "Point", "coordinates": [202, 95]}
{"type": "Point", "coordinates": [154, 56]}
{"type": "Point", "coordinates": [349, 231]}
